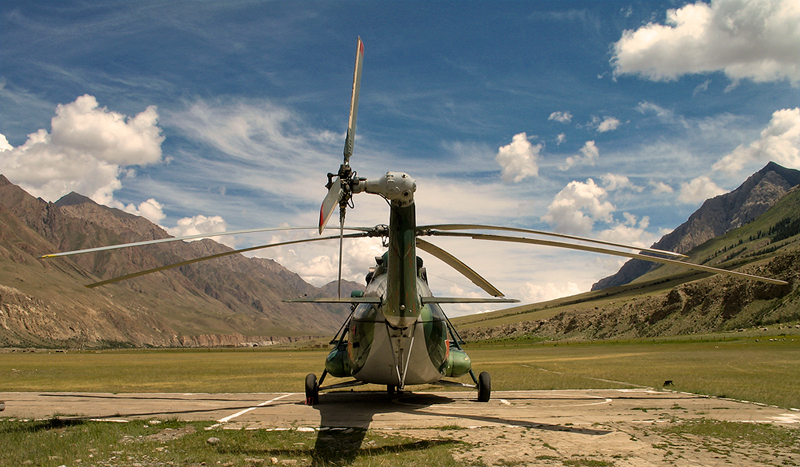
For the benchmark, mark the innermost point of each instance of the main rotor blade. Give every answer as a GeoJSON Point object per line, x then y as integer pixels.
{"type": "Point", "coordinates": [174, 239]}
{"type": "Point", "coordinates": [456, 264]}
{"type": "Point", "coordinates": [466, 300]}
{"type": "Point", "coordinates": [544, 233]}
{"type": "Point", "coordinates": [329, 203]}
{"type": "Point", "coordinates": [351, 126]}
{"type": "Point", "coordinates": [608, 251]}
{"type": "Point", "coordinates": [218, 255]}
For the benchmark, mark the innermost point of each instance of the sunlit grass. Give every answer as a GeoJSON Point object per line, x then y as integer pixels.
{"type": "Point", "coordinates": [744, 369]}
{"type": "Point", "coordinates": [58, 442]}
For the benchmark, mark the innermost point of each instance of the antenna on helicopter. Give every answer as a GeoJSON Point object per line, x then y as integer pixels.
{"type": "Point", "coordinates": [340, 190]}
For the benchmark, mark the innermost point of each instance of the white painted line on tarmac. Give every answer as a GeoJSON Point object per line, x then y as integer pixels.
{"type": "Point", "coordinates": [242, 412]}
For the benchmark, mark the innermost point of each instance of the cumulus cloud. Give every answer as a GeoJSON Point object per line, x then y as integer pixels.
{"type": "Point", "coordinates": [778, 142]}
{"type": "Point", "coordinates": [4, 145]}
{"type": "Point", "coordinates": [608, 124]}
{"type": "Point", "coordinates": [562, 117]}
{"type": "Point", "coordinates": [519, 159]}
{"type": "Point", "coordinates": [756, 40]}
{"type": "Point", "coordinates": [578, 206]}
{"type": "Point", "coordinates": [318, 263]}
{"type": "Point", "coordinates": [699, 190]}
{"type": "Point", "coordinates": [632, 231]}
{"type": "Point", "coordinates": [86, 150]}
{"type": "Point", "coordinates": [151, 210]}
{"type": "Point", "coordinates": [561, 138]}
{"type": "Point", "coordinates": [196, 225]}
{"type": "Point", "coordinates": [590, 155]}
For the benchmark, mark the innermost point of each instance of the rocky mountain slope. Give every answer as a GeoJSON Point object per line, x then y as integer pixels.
{"type": "Point", "coordinates": [672, 301]}
{"type": "Point", "coordinates": [715, 217]}
{"type": "Point", "coordinates": [226, 301]}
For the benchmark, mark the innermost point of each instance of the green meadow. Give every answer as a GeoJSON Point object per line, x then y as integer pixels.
{"type": "Point", "coordinates": [762, 370]}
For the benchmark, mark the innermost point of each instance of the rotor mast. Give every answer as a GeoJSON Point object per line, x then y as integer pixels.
{"type": "Point", "coordinates": [401, 303]}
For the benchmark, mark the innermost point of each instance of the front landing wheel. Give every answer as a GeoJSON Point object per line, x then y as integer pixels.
{"type": "Point", "coordinates": [312, 389]}
{"type": "Point", "coordinates": [484, 387]}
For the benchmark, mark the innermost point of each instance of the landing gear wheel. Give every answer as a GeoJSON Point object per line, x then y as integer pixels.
{"type": "Point", "coordinates": [391, 389]}
{"type": "Point", "coordinates": [312, 389]}
{"type": "Point", "coordinates": [484, 387]}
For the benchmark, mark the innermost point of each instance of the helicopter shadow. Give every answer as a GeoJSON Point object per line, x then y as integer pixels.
{"type": "Point", "coordinates": [345, 418]}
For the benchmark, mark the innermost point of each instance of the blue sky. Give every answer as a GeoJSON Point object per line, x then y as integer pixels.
{"type": "Point", "coordinates": [606, 119]}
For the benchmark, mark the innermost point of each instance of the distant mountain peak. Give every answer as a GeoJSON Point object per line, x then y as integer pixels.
{"type": "Point", "coordinates": [790, 175]}
{"type": "Point", "coordinates": [73, 199]}
{"type": "Point", "coordinates": [717, 216]}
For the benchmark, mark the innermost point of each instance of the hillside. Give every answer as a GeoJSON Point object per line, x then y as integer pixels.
{"type": "Point", "coordinates": [715, 217]}
{"type": "Point", "coordinates": [670, 301]}
{"type": "Point", "coordinates": [227, 301]}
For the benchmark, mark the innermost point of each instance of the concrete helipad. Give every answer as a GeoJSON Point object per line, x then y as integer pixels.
{"type": "Point", "coordinates": [573, 410]}
{"type": "Point", "coordinates": [623, 428]}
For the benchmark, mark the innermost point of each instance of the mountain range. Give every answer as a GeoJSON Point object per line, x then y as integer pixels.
{"type": "Point", "coordinates": [716, 217]}
{"type": "Point", "coordinates": [227, 301]}
{"type": "Point", "coordinates": [236, 300]}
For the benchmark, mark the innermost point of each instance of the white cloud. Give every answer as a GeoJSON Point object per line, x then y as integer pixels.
{"type": "Point", "coordinates": [665, 115]}
{"type": "Point", "coordinates": [534, 293]}
{"type": "Point", "coordinates": [779, 142]}
{"type": "Point", "coordinates": [661, 187]}
{"type": "Point", "coordinates": [699, 190]}
{"type": "Point", "coordinates": [518, 159]}
{"type": "Point", "coordinates": [561, 138]}
{"type": "Point", "coordinates": [590, 155]}
{"type": "Point", "coordinates": [576, 208]}
{"type": "Point", "coordinates": [631, 232]}
{"type": "Point", "coordinates": [562, 117]}
{"type": "Point", "coordinates": [701, 88]}
{"type": "Point", "coordinates": [192, 225]}
{"type": "Point", "coordinates": [613, 182]}
{"type": "Point", "coordinates": [108, 136]}
{"type": "Point", "coordinates": [608, 124]}
{"type": "Point", "coordinates": [4, 146]}
{"type": "Point", "coordinates": [756, 40]}
{"type": "Point", "coordinates": [85, 151]}
{"type": "Point", "coordinates": [151, 210]}
{"type": "Point", "coordinates": [197, 225]}
{"type": "Point", "coordinates": [318, 262]}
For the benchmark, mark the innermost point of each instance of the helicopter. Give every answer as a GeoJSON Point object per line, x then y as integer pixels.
{"type": "Point", "coordinates": [397, 334]}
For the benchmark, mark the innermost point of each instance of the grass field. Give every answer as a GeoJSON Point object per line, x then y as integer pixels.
{"type": "Point", "coordinates": [761, 370]}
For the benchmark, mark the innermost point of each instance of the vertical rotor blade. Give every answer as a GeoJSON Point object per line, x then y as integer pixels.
{"type": "Point", "coordinates": [329, 204]}
{"type": "Point", "coordinates": [351, 126]}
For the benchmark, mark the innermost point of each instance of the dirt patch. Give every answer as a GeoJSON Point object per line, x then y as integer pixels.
{"type": "Point", "coordinates": [616, 444]}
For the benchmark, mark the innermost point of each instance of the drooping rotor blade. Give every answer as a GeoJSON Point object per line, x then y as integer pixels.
{"type": "Point", "coordinates": [373, 300]}
{"type": "Point", "coordinates": [448, 227]}
{"type": "Point", "coordinates": [351, 126]}
{"type": "Point", "coordinates": [456, 264]}
{"type": "Point", "coordinates": [607, 251]}
{"type": "Point", "coordinates": [466, 300]}
{"type": "Point", "coordinates": [175, 239]}
{"type": "Point", "coordinates": [330, 203]}
{"type": "Point", "coordinates": [218, 255]}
